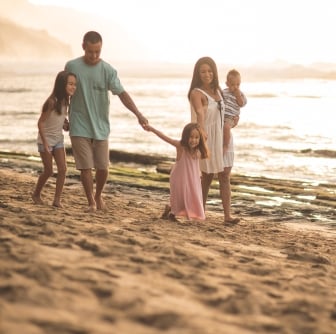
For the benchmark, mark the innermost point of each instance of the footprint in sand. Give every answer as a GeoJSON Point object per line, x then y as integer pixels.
{"type": "Point", "coordinates": [307, 257]}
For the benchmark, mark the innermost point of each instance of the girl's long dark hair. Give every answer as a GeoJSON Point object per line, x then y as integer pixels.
{"type": "Point", "coordinates": [59, 94]}
{"type": "Point", "coordinates": [202, 146]}
{"type": "Point", "coordinates": [196, 81]}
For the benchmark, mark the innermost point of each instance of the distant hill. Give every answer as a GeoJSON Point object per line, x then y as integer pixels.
{"type": "Point", "coordinates": [40, 32]}
{"type": "Point", "coordinates": [18, 42]}
{"type": "Point", "coordinates": [69, 25]}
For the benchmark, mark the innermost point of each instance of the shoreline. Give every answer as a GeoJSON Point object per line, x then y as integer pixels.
{"type": "Point", "coordinates": [251, 196]}
{"type": "Point", "coordinates": [128, 271]}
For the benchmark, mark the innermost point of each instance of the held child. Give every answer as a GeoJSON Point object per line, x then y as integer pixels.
{"type": "Point", "coordinates": [234, 100]}
{"type": "Point", "coordinates": [185, 181]}
{"type": "Point", "coordinates": [50, 141]}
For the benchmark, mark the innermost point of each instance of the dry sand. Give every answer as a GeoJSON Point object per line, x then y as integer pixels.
{"type": "Point", "coordinates": [128, 271]}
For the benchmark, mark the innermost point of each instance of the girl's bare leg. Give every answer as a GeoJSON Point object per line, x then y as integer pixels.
{"type": "Point", "coordinates": [44, 176]}
{"type": "Point", "coordinates": [166, 212]}
{"type": "Point", "coordinates": [59, 155]}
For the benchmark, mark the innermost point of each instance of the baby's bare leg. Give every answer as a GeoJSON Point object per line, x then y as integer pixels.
{"type": "Point", "coordinates": [226, 137]}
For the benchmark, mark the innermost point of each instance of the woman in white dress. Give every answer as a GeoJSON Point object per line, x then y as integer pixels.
{"type": "Point", "coordinates": [207, 109]}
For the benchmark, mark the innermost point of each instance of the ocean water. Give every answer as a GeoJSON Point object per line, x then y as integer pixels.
{"type": "Point", "coordinates": [286, 130]}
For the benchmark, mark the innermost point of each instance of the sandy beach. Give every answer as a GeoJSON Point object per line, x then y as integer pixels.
{"type": "Point", "coordinates": [129, 271]}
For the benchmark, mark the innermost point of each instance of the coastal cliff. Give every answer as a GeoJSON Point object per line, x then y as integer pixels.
{"type": "Point", "coordinates": [22, 43]}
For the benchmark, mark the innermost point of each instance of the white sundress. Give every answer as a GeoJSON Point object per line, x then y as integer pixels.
{"type": "Point", "coordinates": [214, 121]}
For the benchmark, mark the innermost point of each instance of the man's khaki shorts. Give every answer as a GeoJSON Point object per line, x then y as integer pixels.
{"type": "Point", "coordinates": [90, 153]}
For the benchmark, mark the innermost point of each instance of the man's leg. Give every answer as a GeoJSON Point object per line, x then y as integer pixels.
{"type": "Point", "coordinates": [87, 182]}
{"type": "Point", "coordinates": [102, 161]}
{"type": "Point", "coordinates": [101, 178]}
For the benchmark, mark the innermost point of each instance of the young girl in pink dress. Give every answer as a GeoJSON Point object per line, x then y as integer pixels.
{"type": "Point", "coordinates": [185, 178]}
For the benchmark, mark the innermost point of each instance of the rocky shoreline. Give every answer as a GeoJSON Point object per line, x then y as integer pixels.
{"type": "Point", "coordinates": [126, 270]}
{"type": "Point", "coordinates": [281, 200]}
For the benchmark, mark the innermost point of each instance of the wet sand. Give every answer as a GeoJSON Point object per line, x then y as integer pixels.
{"type": "Point", "coordinates": [129, 271]}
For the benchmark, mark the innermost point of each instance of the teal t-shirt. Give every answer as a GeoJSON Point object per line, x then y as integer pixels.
{"type": "Point", "coordinates": [89, 107]}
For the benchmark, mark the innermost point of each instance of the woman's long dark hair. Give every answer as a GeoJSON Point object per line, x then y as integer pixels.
{"type": "Point", "coordinates": [196, 81]}
{"type": "Point", "coordinates": [59, 94]}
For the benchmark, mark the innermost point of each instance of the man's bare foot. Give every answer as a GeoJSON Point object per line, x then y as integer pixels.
{"type": "Point", "coordinates": [100, 204]}
{"type": "Point", "coordinates": [92, 208]}
{"type": "Point", "coordinates": [36, 199]}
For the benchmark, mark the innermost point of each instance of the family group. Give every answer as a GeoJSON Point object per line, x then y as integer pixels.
{"type": "Point", "coordinates": [79, 103]}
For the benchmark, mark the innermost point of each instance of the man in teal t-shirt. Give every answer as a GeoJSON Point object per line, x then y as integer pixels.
{"type": "Point", "coordinates": [89, 115]}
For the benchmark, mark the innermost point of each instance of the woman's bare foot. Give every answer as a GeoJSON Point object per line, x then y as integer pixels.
{"type": "Point", "coordinates": [232, 221]}
{"type": "Point", "coordinates": [36, 199]}
{"type": "Point", "coordinates": [57, 205]}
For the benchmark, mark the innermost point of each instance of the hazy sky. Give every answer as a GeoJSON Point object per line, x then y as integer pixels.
{"type": "Point", "coordinates": [236, 31]}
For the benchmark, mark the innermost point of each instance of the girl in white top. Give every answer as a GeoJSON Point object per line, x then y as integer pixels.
{"type": "Point", "coordinates": [50, 140]}
{"type": "Point", "coordinates": [207, 107]}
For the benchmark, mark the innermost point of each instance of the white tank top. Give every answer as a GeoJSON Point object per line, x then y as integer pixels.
{"type": "Point", "coordinates": [54, 127]}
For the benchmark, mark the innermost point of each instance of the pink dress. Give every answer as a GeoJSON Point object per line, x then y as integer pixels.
{"type": "Point", "coordinates": [185, 188]}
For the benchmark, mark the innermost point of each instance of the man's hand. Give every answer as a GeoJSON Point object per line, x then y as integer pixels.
{"type": "Point", "coordinates": [142, 121]}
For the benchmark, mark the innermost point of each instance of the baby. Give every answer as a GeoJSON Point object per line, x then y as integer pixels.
{"type": "Point", "coordinates": [234, 100]}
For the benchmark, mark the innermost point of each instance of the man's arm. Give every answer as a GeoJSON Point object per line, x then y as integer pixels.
{"type": "Point", "coordinates": [127, 101]}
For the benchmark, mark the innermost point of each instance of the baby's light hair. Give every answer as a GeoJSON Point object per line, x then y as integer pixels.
{"type": "Point", "coordinates": [232, 73]}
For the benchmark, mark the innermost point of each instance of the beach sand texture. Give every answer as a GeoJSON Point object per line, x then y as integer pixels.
{"type": "Point", "coordinates": [128, 271]}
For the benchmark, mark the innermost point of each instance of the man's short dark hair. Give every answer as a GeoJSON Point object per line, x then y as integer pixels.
{"type": "Point", "coordinates": [92, 37]}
